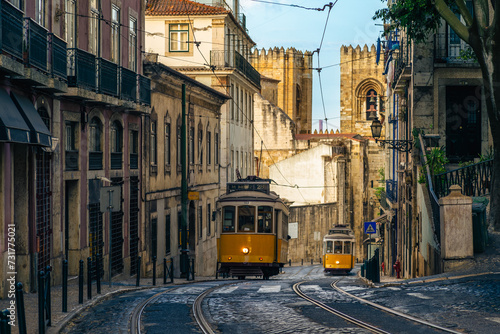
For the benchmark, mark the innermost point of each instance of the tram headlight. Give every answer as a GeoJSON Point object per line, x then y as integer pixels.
{"type": "Point", "coordinates": [245, 250]}
{"type": "Point", "coordinates": [337, 262]}
{"type": "Point", "coordinates": [230, 258]}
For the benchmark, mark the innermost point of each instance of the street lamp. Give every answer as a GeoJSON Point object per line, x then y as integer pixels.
{"type": "Point", "coordinates": [399, 145]}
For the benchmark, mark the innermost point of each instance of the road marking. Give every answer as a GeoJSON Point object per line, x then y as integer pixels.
{"type": "Point", "coordinates": [310, 288]}
{"type": "Point", "coordinates": [269, 289]}
{"type": "Point", "coordinates": [419, 295]}
{"type": "Point", "coordinates": [352, 288]}
{"type": "Point", "coordinates": [188, 290]}
{"type": "Point", "coordinates": [494, 319]}
{"type": "Point", "coordinates": [393, 288]}
{"type": "Point", "coordinates": [227, 289]}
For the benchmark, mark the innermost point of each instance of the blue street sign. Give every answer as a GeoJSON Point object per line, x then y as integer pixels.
{"type": "Point", "coordinates": [370, 227]}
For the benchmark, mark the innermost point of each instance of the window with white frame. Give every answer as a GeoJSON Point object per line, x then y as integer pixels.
{"type": "Point", "coordinates": [209, 148]}
{"type": "Point", "coordinates": [132, 44]}
{"type": "Point", "coordinates": [153, 144]}
{"type": "Point", "coordinates": [167, 143]}
{"type": "Point", "coordinates": [179, 37]}
{"type": "Point", "coordinates": [70, 28]}
{"type": "Point", "coordinates": [115, 34]}
{"type": "Point", "coordinates": [40, 12]}
{"type": "Point", "coordinates": [94, 28]}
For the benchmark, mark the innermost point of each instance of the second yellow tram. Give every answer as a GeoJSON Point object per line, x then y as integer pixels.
{"type": "Point", "coordinates": [338, 250]}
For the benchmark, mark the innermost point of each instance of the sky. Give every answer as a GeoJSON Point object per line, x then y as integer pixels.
{"type": "Point", "coordinates": [350, 23]}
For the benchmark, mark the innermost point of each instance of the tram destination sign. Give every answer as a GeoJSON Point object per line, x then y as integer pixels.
{"type": "Point", "coordinates": [248, 186]}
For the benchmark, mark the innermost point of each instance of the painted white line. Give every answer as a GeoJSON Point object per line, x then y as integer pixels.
{"type": "Point", "coordinates": [269, 289]}
{"type": "Point", "coordinates": [419, 295]}
{"type": "Point", "coordinates": [227, 289]}
{"type": "Point", "coordinates": [310, 288]}
{"type": "Point", "coordinates": [494, 319]}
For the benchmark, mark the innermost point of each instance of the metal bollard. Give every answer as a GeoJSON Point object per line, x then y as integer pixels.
{"type": "Point", "coordinates": [4, 322]}
{"type": "Point", "coordinates": [171, 270]}
{"type": "Point", "coordinates": [41, 302]}
{"type": "Point", "coordinates": [320, 260]}
{"type": "Point", "coordinates": [138, 276]}
{"type": "Point", "coordinates": [311, 262]}
{"type": "Point", "coordinates": [302, 262]}
{"type": "Point", "coordinates": [98, 272]}
{"type": "Point", "coordinates": [188, 274]}
{"type": "Point", "coordinates": [20, 308]}
{"type": "Point", "coordinates": [164, 270]}
{"type": "Point", "coordinates": [89, 278]}
{"type": "Point", "coordinates": [192, 269]}
{"type": "Point", "coordinates": [154, 270]}
{"type": "Point", "coordinates": [65, 286]}
{"type": "Point", "coordinates": [48, 298]}
{"type": "Point", "coordinates": [80, 284]}
{"type": "Point", "coordinates": [290, 263]}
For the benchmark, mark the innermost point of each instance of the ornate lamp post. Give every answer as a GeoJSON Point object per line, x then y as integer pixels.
{"type": "Point", "coordinates": [399, 145]}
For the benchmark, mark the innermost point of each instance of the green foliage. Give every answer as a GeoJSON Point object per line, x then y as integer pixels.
{"type": "Point", "coordinates": [487, 156]}
{"type": "Point", "coordinates": [418, 17]}
{"type": "Point", "coordinates": [465, 163]}
{"type": "Point", "coordinates": [379, 191]}
{"type": "Point", "coordinates": [381, 172]}
{"type": "Point", "coordinates": [422, 178]}
{"type": "Point", "coordinates": [436, 160]}
{"type": "Point", "coordinates": [467, 54]}
{"type": "Point", "coordinates": [415, 132]}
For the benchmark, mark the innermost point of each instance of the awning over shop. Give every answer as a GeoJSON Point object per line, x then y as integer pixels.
{"type": "Point", "coordinates": [39, 134]}
{"type": "Point", "coordinates": [13, 127]}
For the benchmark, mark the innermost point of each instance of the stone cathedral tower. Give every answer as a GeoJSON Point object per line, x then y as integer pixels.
{"type": "Point", "coordinates": [293, 69]}
{"type": "Point", "coordinates": [362, 89]}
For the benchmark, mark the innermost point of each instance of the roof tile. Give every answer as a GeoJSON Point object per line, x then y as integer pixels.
{"type": "Point", "coordinates": [181, 7]}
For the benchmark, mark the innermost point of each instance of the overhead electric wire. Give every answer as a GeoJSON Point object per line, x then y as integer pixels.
{"type": "Point", "coordinates": [292, 5]}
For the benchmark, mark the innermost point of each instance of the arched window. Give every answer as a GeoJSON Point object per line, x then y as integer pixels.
{"type": "Point", "coordinates": [371, 104]}
{"type": "Point", "coordinates": [116, 134]}
{"type": "Point", "coordinates": [95, 144]}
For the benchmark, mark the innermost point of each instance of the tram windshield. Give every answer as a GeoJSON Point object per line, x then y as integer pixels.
{"type": "Point", "coordinates": [337, 247]}
{"type": "Point", "coordinates": [265, 219]}
{"type": "Point", "coordinates": [246, 218]}
{"type": "Point", "coordinates": [228, 220]}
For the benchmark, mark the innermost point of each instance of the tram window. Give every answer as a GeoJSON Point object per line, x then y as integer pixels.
{"type": "Point", "coordinates": [284, 228]}
{"type": "Point", "coordinates": [338, 247]}
{"type": "Point", "coordinates": [246, 218]}
{"type": "Point", "coordinates": [347, 247]}
{"type": "Point", "coordinates": [265, 219]}
{"type": "Point", "coordinates": [228, 220]}
{"type": "Point", "coordinates": [329, 246]}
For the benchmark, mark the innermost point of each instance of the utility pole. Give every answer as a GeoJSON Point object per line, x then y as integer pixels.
{"type": "Point", "coordinates": [184, 189]}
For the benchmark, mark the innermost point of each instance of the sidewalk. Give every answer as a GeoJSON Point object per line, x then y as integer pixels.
{"type": "Point", "coordinates": [59, 319]}
{"type": "Point", "coordinates": [484, 263]}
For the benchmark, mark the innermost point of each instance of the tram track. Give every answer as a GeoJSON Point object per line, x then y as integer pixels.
{"type": "Point", "coordinates": [357, 322]}
{"type": "Point", "coordinates": [391, 311]}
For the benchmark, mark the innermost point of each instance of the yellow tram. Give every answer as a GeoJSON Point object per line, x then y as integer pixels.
{"type": "Point", "coordinates": [252, 236]}
{"type": "Point", "coordinates": [338, 249]}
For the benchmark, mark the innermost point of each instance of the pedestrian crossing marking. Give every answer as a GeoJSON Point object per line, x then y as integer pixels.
{"type": "Point", "coordinates": [269, 289]}
{"type": "Point", "coordinates": [494, 319]}
{"type": "Point", "coordinates": [419, 295]}
{"type": "Point", "coordinates": [227, 289]}
{"type": "Point", "coordinates": [310, 288]}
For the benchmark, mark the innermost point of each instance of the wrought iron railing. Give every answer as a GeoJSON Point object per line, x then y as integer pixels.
{"type": "Point", "coordinates": [82, 69]}
{"type": "Point", "coordinates": [391, 189]}
{"type": "Point", "coordinates": [436, 210]}
{"type": "Point", "coordinates": [71, 160]}
{"type": "Point", "coordinates": [244, 66]}
{"type": "Point", "coordinates": [475, 180]}
{"type": "Point", "coordinates": [453, 51]}
{"type": "Point", "coordinates": [95, 160]}
{"type": "Point", "coordinates": [402, 58]}
{"type": "Point", "coordinates": [221, 59]}
{"type": "Point", "coordinates": [116, 160]}
{"type": "Point", "coordinates": [144, 90]}
{"type": "Point", "coordinates": [134, 161]}
{"type": "Point", "coordinates": [108, 77]}
{"type": "Point", "coordinates": [12, 30]}
{"type": "Point", "coordinates": [59, 56]}
{"type": "Point", "coordinates": [128, 84]}
{"type": "Point", "coordinates": [36, 44]}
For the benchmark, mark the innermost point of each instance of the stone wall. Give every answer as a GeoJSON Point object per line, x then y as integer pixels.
{"type": "Point", "coordinates": [314, 221]}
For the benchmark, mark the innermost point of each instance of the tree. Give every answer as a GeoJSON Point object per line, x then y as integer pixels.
{"type": "Point", "coordinates": [481, 30]}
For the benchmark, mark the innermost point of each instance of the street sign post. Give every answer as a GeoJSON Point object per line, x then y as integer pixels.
{"type": "Point", "coordinates": [370, 228]}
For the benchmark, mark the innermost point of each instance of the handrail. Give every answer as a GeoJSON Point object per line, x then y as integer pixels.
{"type": "Point", "coordinates": [474, 179]}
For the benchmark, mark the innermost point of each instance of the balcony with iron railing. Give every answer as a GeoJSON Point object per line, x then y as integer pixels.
{"type": "Point", "coordinates": [391, 190]}
{"type": "Point", "coordinates": [224, 59]}
{"type": "Point", "coordinates": [107, 77]}
{"type": "Point", "coordinates": [116, 160]}
{"type": "Point", "coordinates": [128, 84]}
{"type": "Point", "coordinates": [402, 61]}
{"type": "Point", "coordinates": [95, 160]}
{"type": "Point", "coordinates": [12, 30]}
{"type": "Point", "coordinates": [144, 90]}
{"type": "Point", "coordinates": [36, 45]}
{"type": "Point", "coordinates": [81, 69]}
{"type": "Point", "coordinates": [58, 57]}
{"type": "Point", "coordinates": [451, 51]}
